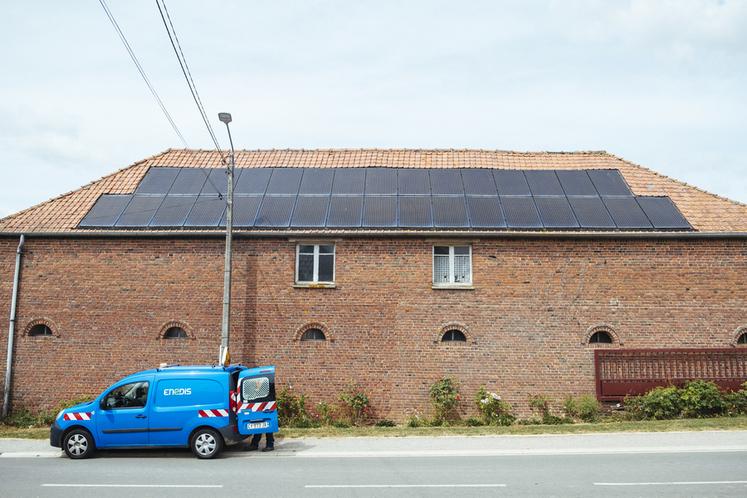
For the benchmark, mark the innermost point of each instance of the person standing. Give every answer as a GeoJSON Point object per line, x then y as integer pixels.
{"type": "Point", "coordinates": [269, 442]}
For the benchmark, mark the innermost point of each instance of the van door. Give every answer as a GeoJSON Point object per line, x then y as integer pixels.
{"type": "Point", "coordinates": [122, 417]}
{"type": "Point", "coordinates": [256, 408]}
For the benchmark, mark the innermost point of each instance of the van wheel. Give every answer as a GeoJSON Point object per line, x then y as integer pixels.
{"type": "Point", "coordinates": [206, 443]}
{"type": "Point", "coordinates": [78, 444]}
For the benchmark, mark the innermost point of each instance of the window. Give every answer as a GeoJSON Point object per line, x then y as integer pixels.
{"type": "Point", "coordinates": [315, 263]}
{"type": "Point", "coordinates": [454, 336]}
{"type": "Point", "coordinates": [600, 337]}
{"type": "Point", "coordinates": [742, 339]}
{"type": "Point", "coordinates": [313, 335]}
{"type": "Point", "coordinates": [452, 265]}
{"type": "Point", "coordinates": [40, 330]}
{"type": "Point", "coordinates": [175, 333]}
{"type": "Point", "coordinates": [134, 395]}
{"type": "Point", "coordinates": [258, 389]}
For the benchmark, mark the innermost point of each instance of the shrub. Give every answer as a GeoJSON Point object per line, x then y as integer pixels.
{"type": "Point", "coordinates": [340, 424]}
{"type": "Point", "coordinates": [473, 422]}
{"type": "Point", "coordinates": [27, 418]}
{"type": "Point", "coordinates": [385, 423]}
{"type": "Point", "coordinates": [735, 403]}
{"type": "Point", "coordinates": [324, 411]}
{"type": "Point", "coordinates": [529, 421]}
{"type": "Point", "coordinates": [356, 401]}
{"type": "Point", "coordinates": [541, 405]}
{"type": "Point", "coordinates": [493, 409]}
{"type": "Point", "coordinates": [659, 403]}
{"type": "Point", "coordinates": [292, 409]}
{"type": "Point", "coordinates": [701, 399]}
{"type": "Point", "coordinates": [415, 421]}
{"type": "Point", "coordinates": [584, 407]}
{"type": "Point", "coordinates": [445, 397]}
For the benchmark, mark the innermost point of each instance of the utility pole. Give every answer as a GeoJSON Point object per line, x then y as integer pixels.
{"type": "Point", "coordinates": [223, 355]}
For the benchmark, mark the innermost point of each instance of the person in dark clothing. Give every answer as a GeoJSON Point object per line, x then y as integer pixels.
{"type": "Point", "coordinates": [269, 442]}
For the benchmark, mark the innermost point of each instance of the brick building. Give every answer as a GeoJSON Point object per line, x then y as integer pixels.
{"type": "Point", "coordinates": [389, 268]}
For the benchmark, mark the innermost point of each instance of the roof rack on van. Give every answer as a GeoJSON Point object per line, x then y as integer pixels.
{"type": "Point", "coordinates": [167, 365]}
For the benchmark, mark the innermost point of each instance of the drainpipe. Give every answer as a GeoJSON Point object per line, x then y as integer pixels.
{"type": "Point", "coordinates": [12, 328]}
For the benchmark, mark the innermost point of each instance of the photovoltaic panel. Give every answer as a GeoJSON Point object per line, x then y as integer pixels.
{"type": "Point", "coordinates": [207, 212]}
{"type": "Point", "coordinates": [478, 182]}
{"type": "Point", "coordinates": [253, 181]}
{"type": "Point", "coordinates": [446, 181]}
{"type": "Point", "coordinates": [157, 181]}
{"type": "Point", "coordinates": [105, 212]}
{"type": "Point", "coordinates": [449, 211]}
{"type": "Point", "coordinates": [381, 181]}
{"type": "Point", "coordinates": [520, 212]}
{"type": "Point", "coordinates": [310, 211]}
{"type": "Point", "coordinates": [380, 211]}
{"type": "Point", "coordinates": [543, 182]}
{"type": "Point", "coordinates": [275, 211]}
{"type": "Point", "coordinates": [317, 181]}
{"type": "Point", "coordinates": [511, 182]}
{"type": "Point", "coordinates": [244, 210]}
{"type": "Point", "coordinates": [189, 181]}
{"type": "Point", "coordinates": [140, 210]}
{"type": "Point", "coordinates": [590, 212]}
{"type": "Point", "coordinates": [485, 212]}
{"type": "Point", "coordinates": [555, 212]}
{"type": "Point", "coordinates": [609, 182]}
{"type": "Point", "coordinates": [173, 211]}
{"type": "Point", "coordinates": [575, 182]}
{"type": "Point", "coordinates": [415, 211]}
{"type": "Point", "coordinates": [662, 213]}
{"type": "Point", "coordinates": [349, 181]}
{"type": "Point", "coordinates": [345, 211]}
{"type": "Point", "coordinates": [216, 183]}
{"type": "Point", "coordinates": [413, 182]}
{"type": "Point", "coordinates": [284, 181]}
{"type": "Point", "coordinates": [626, 213]}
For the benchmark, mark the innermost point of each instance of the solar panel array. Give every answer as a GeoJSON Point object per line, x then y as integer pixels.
{"type": "Point", "coordinates": [467, 198]}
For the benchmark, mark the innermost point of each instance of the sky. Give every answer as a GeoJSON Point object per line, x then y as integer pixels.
{"type": "Point", "coordinates": [660, 83]}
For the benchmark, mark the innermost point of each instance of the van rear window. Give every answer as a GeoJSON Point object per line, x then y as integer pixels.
{"type": "Point", "coordinates": [255, 388]}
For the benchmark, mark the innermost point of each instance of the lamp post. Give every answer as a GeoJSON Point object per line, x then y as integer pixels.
{"type": "Point", "coordinates": [223, 355]}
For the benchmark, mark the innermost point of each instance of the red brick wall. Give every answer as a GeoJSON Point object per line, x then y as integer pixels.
{"type": "Point", "coordinates": [531, 307]}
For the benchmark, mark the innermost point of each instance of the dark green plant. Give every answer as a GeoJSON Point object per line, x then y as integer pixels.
{"type": "Point", "coordinates": [385, 423]}
{"type": "Point", "coordinates": [473, 422]}
{"type": "Point", "coordinates": [356, 401]}
{"type": "Point", "coordinates": [659, 403]}
{"type": "Point", "coordinates": [701, 398]}
{"type": "Point", "coordinates": [292, 409]}
{"type": "Point", "coordinates": [493, 409]}
{"type": "Point", "coordinates": [735, 403]}
{"type": "Point", "coordinates": [325, 413]}
{"type": "Point", "coordinates": [444, 395]}
{"type": "Point", "coordinates": [415, 421]}
{"type": "Point", "coordinates": [340, 424]}
{"type": "Point", "coordinates": [585, 407]}
{"type": "Point", "coordinates": [542, 405]}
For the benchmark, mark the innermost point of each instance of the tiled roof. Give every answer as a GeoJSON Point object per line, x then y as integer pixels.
{"type": "Point", "coordinates": [705, 211]}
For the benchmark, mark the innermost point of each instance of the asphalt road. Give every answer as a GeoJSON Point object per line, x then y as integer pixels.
{"type": "Point", "coordinates": [552, 466]}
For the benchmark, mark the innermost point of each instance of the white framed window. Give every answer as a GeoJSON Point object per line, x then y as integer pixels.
{"type": "Point", "coordinates": [315, 263]}
{"type": "Point", "coordinates": [452, 265]}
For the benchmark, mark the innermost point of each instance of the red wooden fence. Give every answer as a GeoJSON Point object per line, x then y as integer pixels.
{"type": "Point", "coordinates": [622, 372]}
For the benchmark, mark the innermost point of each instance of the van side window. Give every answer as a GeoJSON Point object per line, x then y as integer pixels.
{"type": "Point", "coordinates": [134, 395]}
{"type": "Point", "coordinates": [258, 389]}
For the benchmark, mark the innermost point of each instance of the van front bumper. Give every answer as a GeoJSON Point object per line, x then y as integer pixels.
{"type": "Point", "coordinates": [55, 435]}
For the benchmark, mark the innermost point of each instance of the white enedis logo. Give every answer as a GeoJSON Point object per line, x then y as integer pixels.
{"type": "Point", "coordinates": [179, 391]}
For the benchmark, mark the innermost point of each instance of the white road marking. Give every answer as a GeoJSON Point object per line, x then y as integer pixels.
{"type": "Point", "coordinates": [132, 485]}
{"type": "Point", "coordinates": [667, 483]}
{"type": "Point", "coordinates": [338, 486]}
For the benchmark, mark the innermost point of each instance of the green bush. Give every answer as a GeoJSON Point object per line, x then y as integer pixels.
{"type": "Point", "coordinates": [27, 418]}
{"type": "Point", "coordinates": [529, 421]}
{"type": "Point", "coordinates": [416, 421]}
{"type": "Point", "coordinates": [324, 411]}
{"type": "Point", "coordinates": [493, 409]}
{"type": "Point", "coordinates": [444, 395]}
{"type": "Point", "coordinates": [292, 410]}
{"type": "Point", "coordinates": [356, 402]}
{"type": "Point", "coordinates": [735, 403]}
{"type": "Point", "coordinates": [340, 424]}
{"type": "Point", "coordinates": [542, 405]}
{"type": "Point", "coordinates": [385, 423]}
{"type": "Point", "coordinates": [473, 422]}
{"type": "Point", "coordinates": [701, 399]}
{"type": "Point", "coordinates": [659, 403]}
{"type": "Point", "coordinates": [584, 407]}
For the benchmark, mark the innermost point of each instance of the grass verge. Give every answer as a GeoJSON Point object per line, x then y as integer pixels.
{"type": "Point", "coordinates": [692, 424]}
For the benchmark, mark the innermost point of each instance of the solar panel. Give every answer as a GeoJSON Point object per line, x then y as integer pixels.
{"type": "Point", "coordinates": [626, 212]}
{"type": "Point", "coordinates": [555, 212]}
{"type": "Point", "coordinates": [140, 210]}
{"type": "Point", "coordinates": [316, 181]}
{"type": "Point", "coordinates": [449, 212]}
{"type": "Point", "coordinates": [511, 182]}
{"type": "Point", "coordinates": [244, 210]}
{"type": "Point", "coordinates": [590, 212]}
{"type": "Point", "coordinates": [207, 212]}
{"type": "Point", "coordinates": [380, 211]}
{"type": "Point", "coordinates": [485, 212]}
{"type": "Point", "coordinates": [575, 182]}
{"type": "Point", "coordinates": [446, 181]}
{"type": "Point", "coordinates": [105, 212]}
{"type": "Point", "coordinates": [216, 182]}
{"type": "Point", "coordinates": [275, 211]}
{"type": "Point", "coordinates": [413, 182]}
{"type": "Point", "coordinates": [543, 182]}
{"type": "Point", "coordinates": [478, 182]}
{"type": "Point", "coordinates": [157, 181]}
{"type": "Point", "coordinates": [609, 182]}
{"type": "Point", "coordinates": [381, 181]}
{"type": "Point", "coordinates": [520, 212]}
{"type": "Point", "coordinates": [253, 181]}
{"type": "Point", "coordinates": [189, 181]}
{"type": "Point", "coordinates": [349, 181]}
{"type": "Point", "coordinates": [284, 181]}
{"type": "Point", "coordinates": [415, 212]}
{"type": "Point", "coordinates": [310, 211]}
{"type": "Point", "coordinates": [662, 212]}
{"type": "Point", "coordinates": [345, 211]}
{"type": "Point", "coordinates": [173, 211]}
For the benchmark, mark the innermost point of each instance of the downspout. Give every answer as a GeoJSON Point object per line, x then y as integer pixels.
{"type": "Point", "coordinates": [12, 328]}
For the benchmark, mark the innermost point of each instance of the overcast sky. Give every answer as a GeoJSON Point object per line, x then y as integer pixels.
{"type": "Point", "coordinates": [663, 84]}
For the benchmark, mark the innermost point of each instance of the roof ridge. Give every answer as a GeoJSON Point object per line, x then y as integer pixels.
{"type": "Point", "coordinates": [404, 149]}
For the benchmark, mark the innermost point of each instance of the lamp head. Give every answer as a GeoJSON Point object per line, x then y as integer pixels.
{"type": "Point", "coordinates": [225, 117]}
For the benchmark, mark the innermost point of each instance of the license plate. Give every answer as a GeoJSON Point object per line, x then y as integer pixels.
{"type": "Point", "coordinates": [257, 425]}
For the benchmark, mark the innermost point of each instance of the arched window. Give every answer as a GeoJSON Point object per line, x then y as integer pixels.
{"type": "Point", "coordinates": [453, 335]}
{"type": "Point", "coordinates": [175, 333]}
{"type": "Point", "coordinates": [40, 329]}
{"type": "Point", "coordinates": [313, 335]}
{"type": "Point", "coordinates": [742, 338]}
{"type": "Point", "coordinates": [600, 337]}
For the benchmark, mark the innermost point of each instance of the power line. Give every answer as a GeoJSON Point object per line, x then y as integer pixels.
{"type": "Point", "coordinates": [142, 72]}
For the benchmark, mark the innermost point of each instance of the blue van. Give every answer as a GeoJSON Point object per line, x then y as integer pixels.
{"type": "Point", "coordinates": [200, 407]}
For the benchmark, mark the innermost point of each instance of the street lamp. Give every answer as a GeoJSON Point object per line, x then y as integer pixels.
{"type": "Point", "coordinates": [223, 355]}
